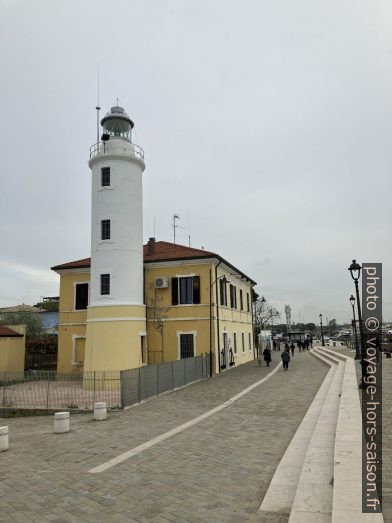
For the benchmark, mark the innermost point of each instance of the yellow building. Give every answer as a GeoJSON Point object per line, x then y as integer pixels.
{"type": "Point", "coordinates": [195, 302]}
{"type": "Point", "coordinates": [12, 349]}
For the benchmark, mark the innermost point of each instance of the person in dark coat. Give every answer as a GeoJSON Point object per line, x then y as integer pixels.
{"type": "Point", "coordinates": [292, 347]}
{"type": "Point", "coordinates": [267, 356]}
{"type": "Point", "coordinates": [286, 346]}
{"type": "Point", "coordinates": [285, 359]}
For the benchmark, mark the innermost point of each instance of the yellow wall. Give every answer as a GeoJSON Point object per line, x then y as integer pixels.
{"type": "Point", "coordinates": [72, 324]}
{"type": "Point", "coordinates": [113, 337]}
{"type": "Point", "coordinates": [12, 351]}
{"type": "Point", "coordinates": [166, 321]}
{"type": "Point", "coordinates": [117, 343]}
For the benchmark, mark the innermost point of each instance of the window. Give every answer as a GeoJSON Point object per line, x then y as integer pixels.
{"type": "Point", "coordinates": [223, 293]}
{"type": "Point", "coordinates": [243, 342]}
{"type": "Point", "coordinates": [105, 229]}
{"type": "Point", "coordinates": [247, 302]}
{"type": "Point", "coordinates": [233, 297]}
{"type": "Point", "coordinates": [250, 341]}
{"type": "Point", "coordinates": [105, 176]}
{"type": "Point", "coordinates": [235, 342]}
{"type": "Point", "coordinates": [186, 346]}
{"type": "Point", "coordinates": [241, 301]}
{"type": "Point", "coordinates": [186, 290]}
{"type": "Point", "coordinates": [105, 284]}
{"type": "Point", "coordinates": [81, 296]}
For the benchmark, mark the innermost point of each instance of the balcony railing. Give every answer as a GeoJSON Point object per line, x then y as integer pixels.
{"type": "Point", "coordinates": [108, 148]}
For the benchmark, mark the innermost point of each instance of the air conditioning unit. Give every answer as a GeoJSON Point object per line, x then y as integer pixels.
{"type": "Point", "coordinates": [161, 283]}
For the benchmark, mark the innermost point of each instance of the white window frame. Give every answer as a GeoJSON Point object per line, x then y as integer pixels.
{"type": "Point", "coordinates": [103, 296]}
{"type": "Point", "coordinates": [74, 297]}
{"type": "Point", "coordinates": [74, 338]}
{"type": "Point", "coordinates": [179, 342]}
{"type": "Point", "coordinates": [178, 276]}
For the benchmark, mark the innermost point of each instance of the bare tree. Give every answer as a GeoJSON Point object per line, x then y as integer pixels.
{"type": "Point", "coordinates": [264, 314]}
{"type": "Point", "coordinates": [156, 314]}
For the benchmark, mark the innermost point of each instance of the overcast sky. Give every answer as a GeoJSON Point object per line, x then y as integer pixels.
{"type": "Point", "coordinates": [268, 122]}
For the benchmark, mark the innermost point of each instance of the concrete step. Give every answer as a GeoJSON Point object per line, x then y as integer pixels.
{"type": "Point", "coordinates": [347, 491]}
{"type": "Point", "coordinates": [282, 489]}
{"type": "Point", "coordinates": [314, 496]}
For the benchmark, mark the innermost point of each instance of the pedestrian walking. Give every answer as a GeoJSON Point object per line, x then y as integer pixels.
{"type": "Point", "coordinates": [267, 356]}
{"type": "Point", "coordinates": [286, 346]}
{"type": "Point", "coordinates": [307, 344]}
{"type": "Point", "coordinates": [292, 347]}
{"type": "Point", "coordinates": [285, 359]}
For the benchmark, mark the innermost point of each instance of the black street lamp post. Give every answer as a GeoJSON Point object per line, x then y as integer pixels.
{"type": "Point", "coordinates": [355, 271]}
{"type": "Point", "coordinates": [354, 323]}
{"type": "Point", "coordinates": [322, 333]}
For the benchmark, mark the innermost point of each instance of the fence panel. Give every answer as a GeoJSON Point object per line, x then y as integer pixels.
{"type": "Point", "coordinates": [190, 370]}
{"type": "Point", "coordinates": [165, 377]}
{"type": "Point", "coordinates": [207, 366]}
{"type": "Point", "coordinates": [178, 374]}
{"type": "Point", "coordinates": [199, 361]}
{"type": "Point", "coordinates": [129, 387]}
{"type": "Point", "coordinates": [148, 381]}
{"type": "Point", "coordinates": [50, 390]}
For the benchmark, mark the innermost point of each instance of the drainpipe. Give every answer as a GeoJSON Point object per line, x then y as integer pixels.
{"type": "Point", "coordinates": [217, 312]}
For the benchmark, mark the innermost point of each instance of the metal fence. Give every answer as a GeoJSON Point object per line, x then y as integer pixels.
{"type": "Point", "coordinates": [51, 390]}
{"type": "Point", "coordinates": [143, 383]}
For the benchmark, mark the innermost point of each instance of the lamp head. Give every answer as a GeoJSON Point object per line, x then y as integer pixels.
{"type": "Point", "coordinates": [355, 270]}
{"type": "Point", "coordinates": [352, 299]}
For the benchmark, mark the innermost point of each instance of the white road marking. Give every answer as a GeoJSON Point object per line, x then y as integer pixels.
{"type": "Point", "coordinates": [154, 441]}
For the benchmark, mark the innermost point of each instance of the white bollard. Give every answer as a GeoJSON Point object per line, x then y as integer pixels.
{"type": "Point", "coordinates": [61, 422]}
{"type": "Point", "coordinates": [100, 411]}
{"type": "Point", "coordinates": [3, 439]}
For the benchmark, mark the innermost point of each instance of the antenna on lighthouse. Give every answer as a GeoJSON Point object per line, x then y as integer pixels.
{"type": "Point", "coordinates": [98, 108]}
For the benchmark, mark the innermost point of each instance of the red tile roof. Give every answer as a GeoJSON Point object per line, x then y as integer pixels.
{"type": "Point", "coordinates": [6, 332]}
{"type": "Point", "coordinates": [163, 251]}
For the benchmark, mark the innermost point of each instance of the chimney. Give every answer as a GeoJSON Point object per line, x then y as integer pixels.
{"type": "Point", "coordinates": [151, 246]}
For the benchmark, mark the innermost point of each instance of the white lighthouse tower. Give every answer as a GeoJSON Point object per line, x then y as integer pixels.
{"type": "Point", "coordinates": [116, 319]}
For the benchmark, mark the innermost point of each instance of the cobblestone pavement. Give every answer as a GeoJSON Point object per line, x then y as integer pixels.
{"type": "Point", "coordinates": [386, 431]}
{"type": "Point", "coordinates": [218, 470]}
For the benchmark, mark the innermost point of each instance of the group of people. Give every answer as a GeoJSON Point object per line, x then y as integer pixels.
{"type": "Point", "coordinates": [285, 356]}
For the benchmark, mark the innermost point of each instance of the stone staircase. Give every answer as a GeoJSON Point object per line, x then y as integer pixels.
{"type": "Point", "coordinates": [319, 476]}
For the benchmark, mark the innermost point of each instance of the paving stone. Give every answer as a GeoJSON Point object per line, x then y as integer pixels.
{"type": "Point", "coordinates": [218, 470]}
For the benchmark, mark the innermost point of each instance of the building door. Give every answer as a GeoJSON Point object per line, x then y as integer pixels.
{"type": "Point", "coordinates": [225, 355]}
{"type": "Point", "coordinates": [187, 347]}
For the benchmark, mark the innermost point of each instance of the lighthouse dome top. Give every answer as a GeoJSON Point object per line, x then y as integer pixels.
{"type": "Point", "coordinates": [117, 123]}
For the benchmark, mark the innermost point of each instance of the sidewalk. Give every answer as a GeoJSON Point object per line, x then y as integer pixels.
{"type": "Point", "coordinates": [218, 470]}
